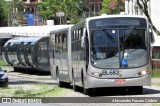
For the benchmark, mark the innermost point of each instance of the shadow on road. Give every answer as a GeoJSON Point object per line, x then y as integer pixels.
{"type": "Point", "coordinates": [150, 91]}
{"type": "Point", "coordinates": [32, 72]}
{"type": "Point", "coordinates": [122, 91]}
{"type": "Point", "coordinates": [31, 82]}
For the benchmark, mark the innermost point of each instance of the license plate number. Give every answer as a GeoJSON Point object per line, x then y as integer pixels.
{"type": "Point", "coordinates": [120, 82]}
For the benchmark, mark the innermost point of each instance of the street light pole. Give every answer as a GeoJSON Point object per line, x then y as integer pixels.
{"type": "Point", "coordinates": [60, 20]}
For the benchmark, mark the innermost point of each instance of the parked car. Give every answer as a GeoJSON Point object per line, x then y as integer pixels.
{"type": "Point", "coordinates": [3, 78]}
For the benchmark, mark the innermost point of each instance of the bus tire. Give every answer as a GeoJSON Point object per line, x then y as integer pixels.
{"type": "Point", "coordinates": [136, 90]}
{"type": "Point", "coordinates": [73, 81]}
{"type": "Point", "coordinates": [16, 69]}
{"type": "Point", "coordinates": [59, 83]}
{"type": "Point", "coordinates": [139, 89]}
{"type": "Point", "coordinates": [87, 91]}
{"type": "Point", "coordinates": [82, 79]}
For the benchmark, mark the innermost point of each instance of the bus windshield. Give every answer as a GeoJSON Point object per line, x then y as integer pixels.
{"type": "Point", "coordinates": [118, 47]}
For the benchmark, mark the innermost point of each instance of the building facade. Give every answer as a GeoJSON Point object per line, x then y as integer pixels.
{"type": "Point", "coordinates": [132, 8]}
{"type": "Point", "coordinates": [32, 13]}
{"type": "Point", "coordinates": [93, 8]}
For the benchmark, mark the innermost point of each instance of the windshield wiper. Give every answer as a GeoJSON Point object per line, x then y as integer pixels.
{"type": "Point", "coordinates": [108, 34]}
{"type": "Point", "coordinates": [130, 31]}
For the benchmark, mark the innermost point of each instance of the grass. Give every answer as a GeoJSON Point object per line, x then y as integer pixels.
{"type": "Point", "coordinates": [33, 90]}
{"type": "Point", "coordinates": [156, 73]}
{"type": "Point", "coordinates": [57, 92]}
{"type": "Point", "coordinates": [2, 63]}
{"type": "Point", "coordinates": [158, 104]}
{"type": "Point", "coordinates": [21, 91]}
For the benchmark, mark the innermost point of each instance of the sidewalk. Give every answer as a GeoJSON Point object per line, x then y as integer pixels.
{"type": "Point", "coordinates": [155, 81]}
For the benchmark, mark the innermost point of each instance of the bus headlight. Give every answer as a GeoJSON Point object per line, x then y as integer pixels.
{"type": "Point", "coordinates": [96, 74]}
{"type": "Point", "coordinates": [143, 73]}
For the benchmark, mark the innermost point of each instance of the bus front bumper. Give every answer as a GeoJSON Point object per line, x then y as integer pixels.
{"type": "Point", "coordinates": [93, 82]}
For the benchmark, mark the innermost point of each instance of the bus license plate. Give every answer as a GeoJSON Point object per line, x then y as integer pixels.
{"type": "Point", "coordinates": [120, 82]}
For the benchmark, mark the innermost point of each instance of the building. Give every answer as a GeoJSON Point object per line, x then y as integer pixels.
{"type": "Point", "coordinates": [32, 13]}
{"type": "Point", "coordinates": [132, 8]}
{"type": "Point", "coordinates": [93, 8]}
{"type": "Point", "coordinates": [27, 15]}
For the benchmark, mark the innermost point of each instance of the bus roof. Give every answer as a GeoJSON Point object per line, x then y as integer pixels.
{"type": "Point", "coordinates": [61, 29]}
{"type": "Point", "coordinates": [106, 16]}
{"type": "Point", "coordinates": [116, 16]}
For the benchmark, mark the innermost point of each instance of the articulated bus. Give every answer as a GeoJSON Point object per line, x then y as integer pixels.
{"type": "Point", "coordinates": [60, 54]}
{"type": "Point", "coordinates": [104, 51]}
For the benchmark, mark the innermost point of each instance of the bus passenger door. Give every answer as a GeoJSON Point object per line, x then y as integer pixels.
{"type": "Point", "coordinates": [52, 57]}
{"type": "Point", "coordinates": [85, 47]}
{"type": "Point", "coordinates": [64, 57]}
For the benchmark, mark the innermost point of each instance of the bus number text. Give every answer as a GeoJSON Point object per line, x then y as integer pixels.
{"type": "Point", "coordinates": [110, 72]}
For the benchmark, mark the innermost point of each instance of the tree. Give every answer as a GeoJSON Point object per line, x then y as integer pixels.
{"type": "Point", "coordinates": [3, 13]}
{"type": "Point", "coordinates": [112, 6]}
{"type": "Point", "coordinates": [143, 5]}
{"type": "Point", "coordinates": [48, 8]}
{"type": "Point", "coordinates": [15, 12]}
{"type": "Point", "coordinates": [71, 8]}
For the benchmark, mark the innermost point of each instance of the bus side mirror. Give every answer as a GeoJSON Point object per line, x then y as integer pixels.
{"type": "Point", "coordinates": [151, 36]}
{"type": "Point", "coordinates": [83, 38]}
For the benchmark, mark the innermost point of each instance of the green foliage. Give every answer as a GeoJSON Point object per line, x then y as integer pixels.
{"type": "Point", "coordinates": [156, 73]}
{"type": "Point", "coordinates": [105, 7]}
{"type": "Point", "coordinates": [7, 8]}
{"type": "Point", "coordinates": [3, 13]}
{"type": "Point", "coordinates": [2, 63]}
{"type": "Point", "coordinates": [71, 8]}
{"type": "Point", "coordinates": [33, 90]}
{"type": "Point", "coordinates": [112, 6]}
{"type": "Point", "coordinates": [18, 6]}
{"type": "Point", "coordinates": [16, 9]}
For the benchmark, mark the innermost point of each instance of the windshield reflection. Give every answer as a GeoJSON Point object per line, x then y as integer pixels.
{"type": "Point", "coordinates": [110, 48]}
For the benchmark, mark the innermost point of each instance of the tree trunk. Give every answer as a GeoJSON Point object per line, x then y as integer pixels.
{"type": "Point", "coordinates": [144, 7]}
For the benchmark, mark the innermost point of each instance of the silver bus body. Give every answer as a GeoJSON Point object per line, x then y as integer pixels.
{"type": "Point", "coordinates": [124, 62]}
{"type": "Point", "coordinates": [60, 59]}
{"type": "Point", "coordinates": [133, 76]}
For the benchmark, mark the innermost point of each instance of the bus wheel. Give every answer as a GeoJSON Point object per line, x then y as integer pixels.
{"type": "Point", "coordinates": [73, 81]}
{"type": "Point", "coordinates": [136, 90]}
{"type": "Point", "coordinates": [85, 91]}
{"type": "Point", "coordinates": [59, 83]}
{"type": "Point", "coordinates": [139, 89]}
{"type": "Point", "coordinates": [16, 69]}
